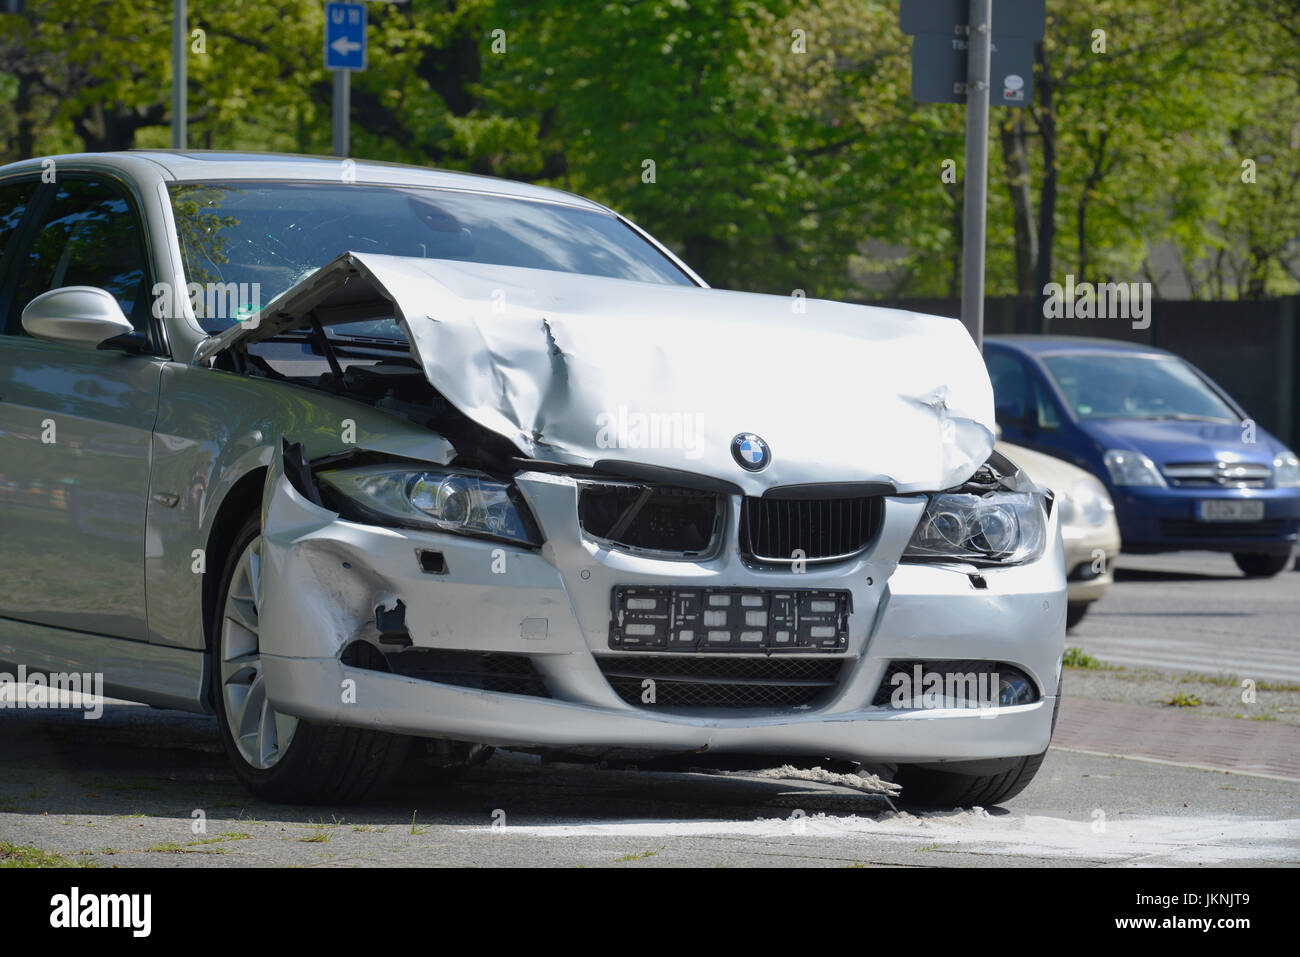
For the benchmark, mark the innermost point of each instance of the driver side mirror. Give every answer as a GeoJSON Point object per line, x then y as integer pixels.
{"type": "Point", "coordinates": [83, 316]}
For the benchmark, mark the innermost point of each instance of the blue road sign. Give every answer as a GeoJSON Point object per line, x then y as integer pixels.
{"type": "Point", "coordinates": [345, 36]}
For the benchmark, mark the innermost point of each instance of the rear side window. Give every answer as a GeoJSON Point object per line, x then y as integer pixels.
{"type": "Point", "coordinates": [88, 237]}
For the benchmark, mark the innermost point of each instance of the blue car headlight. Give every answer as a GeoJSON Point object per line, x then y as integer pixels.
{"type": "Point", "coordinates": [443, 500]}
{"type": "Point", "coordinates": [1132, 468]}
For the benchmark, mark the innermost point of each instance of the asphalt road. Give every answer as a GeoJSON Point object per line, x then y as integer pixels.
{"type": "Point", "coordinates": [128, 790]}
{"type": "Point", "coordinates": [148, 787]}
{"type": "Point", "coordinates": [1195, 612]}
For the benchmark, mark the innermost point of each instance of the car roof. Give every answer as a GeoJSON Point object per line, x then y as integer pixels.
{"type": "Point", "coordinates": [219, 165]}
{"type": "Point", "coordinates": [1060, 345]}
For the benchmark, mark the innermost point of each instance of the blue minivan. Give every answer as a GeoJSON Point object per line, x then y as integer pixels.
{"type": "Point", "coordinates": [1184, 464]}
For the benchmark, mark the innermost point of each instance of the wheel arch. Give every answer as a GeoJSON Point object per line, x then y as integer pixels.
{"type": "Point", "coordinates": [243, 499]}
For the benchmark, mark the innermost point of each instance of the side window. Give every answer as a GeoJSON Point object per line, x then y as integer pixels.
{"type": "Point", "coordinates": [1011, 393]}
{"type": "Point", "coordinates": [88, 237]}
{"type": "Point", "coordinates": [1049, 414]}
{"type": "Point", "coordinates": [14, 200]}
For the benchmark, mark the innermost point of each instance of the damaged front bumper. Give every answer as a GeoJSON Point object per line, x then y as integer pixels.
{"type": "Point", "coordinates": [512, 645]}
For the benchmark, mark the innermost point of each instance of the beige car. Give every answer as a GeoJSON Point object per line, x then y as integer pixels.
{"type": "Point", "coordinates": [1088, 527]}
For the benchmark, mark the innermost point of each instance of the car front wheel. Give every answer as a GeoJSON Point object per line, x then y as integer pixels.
{"type": "Point", "coordinates": [276, 756]}
{"type": "Point", "coordinates": [1257, 565]}
{"type": "Point", "coordinates": [929, 786]}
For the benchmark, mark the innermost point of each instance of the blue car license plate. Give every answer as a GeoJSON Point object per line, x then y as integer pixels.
{"type": "Point", "coordinates": [1229, 510]}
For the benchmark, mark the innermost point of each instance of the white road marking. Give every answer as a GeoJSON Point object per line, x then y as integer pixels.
{"type": "Point", "coordinates": [1183, 840]}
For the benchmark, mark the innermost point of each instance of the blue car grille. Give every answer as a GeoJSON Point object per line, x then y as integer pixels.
{"type": "Point", "coordinates": [1217, 474]}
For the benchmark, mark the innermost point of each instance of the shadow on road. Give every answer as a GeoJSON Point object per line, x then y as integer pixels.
{"type": "Point", "coordinates": [140, 762]}
{"type": "Point", "coordinates": [1157, 575]}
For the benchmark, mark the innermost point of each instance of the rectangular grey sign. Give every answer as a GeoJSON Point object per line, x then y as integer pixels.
{"type": "Point", "coordinates": [939, 70]}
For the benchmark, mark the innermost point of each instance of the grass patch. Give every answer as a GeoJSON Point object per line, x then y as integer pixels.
{"type": "Point", "coordinates": [1075, 658]}
{"type": "Point", "coordinates": [320, 837]}
{"type": "Point", "coordinates": [1183, 700]}
{"type": "Point", "coordinates": [192, 847]}
{"type": "Point", "coordinates": [639, 855]}
{"type": "Point", "coordinates": [1235, 681]}
{"type": "Point", "coordinates": [19, 855]}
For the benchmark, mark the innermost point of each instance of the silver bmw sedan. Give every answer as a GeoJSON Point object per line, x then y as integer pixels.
{"type": "Point", "coordinates": [382, 464]}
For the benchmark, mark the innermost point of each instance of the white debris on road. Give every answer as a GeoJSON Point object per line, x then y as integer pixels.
{"type": "Point", "coordinates": [867, 783]}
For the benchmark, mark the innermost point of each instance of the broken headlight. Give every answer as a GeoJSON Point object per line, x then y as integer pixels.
{"type": "Point", "coordinates": [439, 499]}
{"type": "Point", "coordinates": [1000, 527]}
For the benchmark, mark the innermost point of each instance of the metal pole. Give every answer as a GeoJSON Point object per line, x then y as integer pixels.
{"type": "Point", "coordinates": [180, 33]}
{"type": "Point", "coordinates": [342, 110]}
{"type": "Point", "coordinates": [977, 168]}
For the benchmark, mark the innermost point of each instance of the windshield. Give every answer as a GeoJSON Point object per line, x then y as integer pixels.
{"type": "Point", "coordinates": [1111, 386]}
{"type": "Point", "coordinates": [266, 237]}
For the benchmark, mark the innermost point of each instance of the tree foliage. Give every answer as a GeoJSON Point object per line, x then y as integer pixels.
{"type": "Point", "coordinates": [774, 143]}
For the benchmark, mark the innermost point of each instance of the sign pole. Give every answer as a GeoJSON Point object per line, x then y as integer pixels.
{"type": "Point", "coordinates": [975, 192]}
{"type": "Point", "coordinates": [180, 122]}
{"type": "Point", "coordinates": [342, 110]}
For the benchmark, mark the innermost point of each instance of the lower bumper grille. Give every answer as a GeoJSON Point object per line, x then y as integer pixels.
{"type": "Point", "coordinates": [655, 681]}
{"type": "Point", "coordinates": [485, 671]}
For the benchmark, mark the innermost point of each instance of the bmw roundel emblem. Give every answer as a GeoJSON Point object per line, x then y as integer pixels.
{"type": "Point", "coordinates": [750, 452]}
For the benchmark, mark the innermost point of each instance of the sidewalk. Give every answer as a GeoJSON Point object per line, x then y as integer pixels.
{"type": "Point", "coordinates": [1165, 734]}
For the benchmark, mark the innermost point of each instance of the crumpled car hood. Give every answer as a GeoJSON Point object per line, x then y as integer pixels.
{"type": "Point", "coordinates": [581, 370]}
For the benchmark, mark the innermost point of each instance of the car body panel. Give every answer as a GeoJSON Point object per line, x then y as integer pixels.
{"type": "Point", "coordinates": [214, 428]}
{"type": "Point", "coordinates": [76, 426]}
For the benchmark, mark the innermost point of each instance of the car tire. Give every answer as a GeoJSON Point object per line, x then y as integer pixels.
{"type": "Point", "coordinates": [1261, 565]}
{"type": "Point", "coordinates": [1074, 612]}
{"type": "Point", "coordinates": [926, 786]}
{"type": "Point", "coordinates": [277, 757]}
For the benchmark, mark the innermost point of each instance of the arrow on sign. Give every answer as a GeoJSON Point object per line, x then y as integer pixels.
{"type": "Point", "coordinates": [343, 46]}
